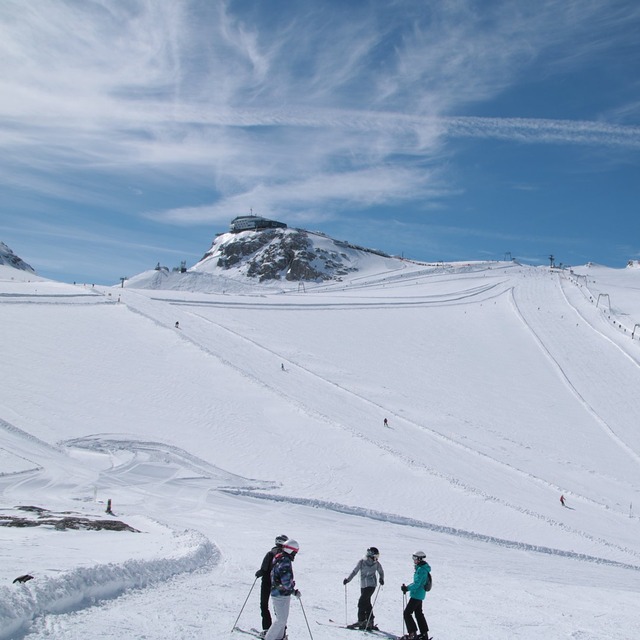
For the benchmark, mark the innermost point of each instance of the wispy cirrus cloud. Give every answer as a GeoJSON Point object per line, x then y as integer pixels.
{"type": "Point", "coordinates": [306, 108]}
{"type": "Point", "coordinates": [297, 200]}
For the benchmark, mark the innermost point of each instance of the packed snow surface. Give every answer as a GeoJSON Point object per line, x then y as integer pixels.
{"type": "Point", "coordinates": [261, 413]}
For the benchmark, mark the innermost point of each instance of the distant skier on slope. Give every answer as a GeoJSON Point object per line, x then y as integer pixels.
{"type": "Point", "coordinates": [264, 572]}
{"type": "Point", "coordinates": [386, 422]}
{"type": "Point", "coordinates": [562, 501]}
{"type": "Point", "coordinates": [283, 586]}
{"type": "Point", "coordinates": [417, 594]}
{"type": "Point", "coordinates": [368, 568]}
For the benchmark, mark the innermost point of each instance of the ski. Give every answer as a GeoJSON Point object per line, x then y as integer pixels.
{"type": "Point", "coordinates": [256, 633]}
{"type": "Point", "coordinates": [372, 632]}
{"type": "Point", "coordinates": [250, 632]}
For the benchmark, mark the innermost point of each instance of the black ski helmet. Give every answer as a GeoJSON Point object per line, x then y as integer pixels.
{"type": "Point", "coordinates": [281, 539]}
{"type": "Point", "coordinates": [372, 552]}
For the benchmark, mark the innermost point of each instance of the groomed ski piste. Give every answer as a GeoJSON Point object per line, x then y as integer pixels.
{"type": "Point", "coordinates": [504, 386]}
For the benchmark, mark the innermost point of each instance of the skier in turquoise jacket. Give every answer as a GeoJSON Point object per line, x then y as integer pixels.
{"type": "Point", "coordinates": [417, 594]}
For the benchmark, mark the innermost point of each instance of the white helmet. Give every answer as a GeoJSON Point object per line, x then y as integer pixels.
{"type": "Point", "coordinates": [418, 556]}
{"type": "Point", "coordinates": [291, 547]}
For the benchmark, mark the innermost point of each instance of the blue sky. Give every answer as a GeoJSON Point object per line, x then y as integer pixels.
{"type": "Point", "coordinates": [134, 131]}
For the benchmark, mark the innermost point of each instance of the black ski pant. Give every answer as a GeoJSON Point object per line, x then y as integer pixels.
{"type": "Point", "coordinates": [364, 605]}
{"type": "Point", "coordinates": [414, 608]}
{"type": "Point", "coordinates": [265, 593]}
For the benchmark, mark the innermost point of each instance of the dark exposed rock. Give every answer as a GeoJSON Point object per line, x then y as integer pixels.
{"type": "Point", "coordinates": [88, 524]}
{"type": "Point", "coordinates": [38, 510]}
{"type": "Point", "coordinates": [13, 521]}
{"type": "Point", "coordinates": [62, 521]}
{"type": "Point", "coordinates": [9, 258]}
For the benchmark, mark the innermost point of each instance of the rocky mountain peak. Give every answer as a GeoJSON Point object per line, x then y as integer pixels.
{"type": "Point", "coordinates": [282, 254]}
{"type": "Point", "coordinates": [10, 259]}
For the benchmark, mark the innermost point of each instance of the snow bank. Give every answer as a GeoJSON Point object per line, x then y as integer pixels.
{"type": "Point", "coordinates": [21, 603]}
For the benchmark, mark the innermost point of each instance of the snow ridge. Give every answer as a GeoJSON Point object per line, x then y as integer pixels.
{"type": "Point", "coordinates": [82, 586]}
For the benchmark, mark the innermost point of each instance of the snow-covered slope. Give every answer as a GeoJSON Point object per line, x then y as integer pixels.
{"type": "Point", "coordinates": [504, 387]}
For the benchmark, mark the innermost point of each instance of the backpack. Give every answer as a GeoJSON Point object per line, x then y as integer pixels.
{"type": "Point", "coordinates": [429, 583]}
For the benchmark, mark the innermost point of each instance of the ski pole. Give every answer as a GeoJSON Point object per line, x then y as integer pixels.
{"type": "Point", "coordinates": [305, 617]}
{"type": "Point", "coordinates": [346, 615]}
{"type": "Point", "coordinates": [245, 603]}
{"type": "Point", "coordinates": [404, 606]}
{"type": "Point", "coordinates": [373, 605]}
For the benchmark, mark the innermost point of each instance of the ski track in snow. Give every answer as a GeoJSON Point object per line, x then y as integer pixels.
{"type": "Point", "coordinates": [14, 432]}
{"type": "Point", "coordinates": [166, 453]}
{"type": "Point", "coordinates": [621, 339]}
{"type": "Point", "coordinates": [418, 301]}
{"type": "Point", "coordinates": [568, 336]}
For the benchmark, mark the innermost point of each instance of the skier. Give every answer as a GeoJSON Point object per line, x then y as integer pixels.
{"type": "Point", "coordinates": [416, 595]}
{"type": "Point", "coordinates": [264, 572]}
{"type": "Point", "coordinates": [283, 586]}
{"type": "Point", "coordinates": [177, 325]}
{"type": "Point", "coordinates": [386, 422]}
{"type": "Point", "coordinates": [562, 501]}
{"type": "Point", "coordinates": [368, 567]}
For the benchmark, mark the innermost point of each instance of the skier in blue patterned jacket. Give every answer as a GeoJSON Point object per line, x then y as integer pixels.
{"type": "Point", "coordinates": [368, 568]}
{"type": "Point", "coordinates": [283, 586]}
{"type": "Point", "coordinates": [264, 572]}
{"type": "Point", "coordinates": [417, 594]}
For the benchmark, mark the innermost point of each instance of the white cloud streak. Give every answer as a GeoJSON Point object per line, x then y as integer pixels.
{"type": "Point", "coordinates": [356, 189]}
